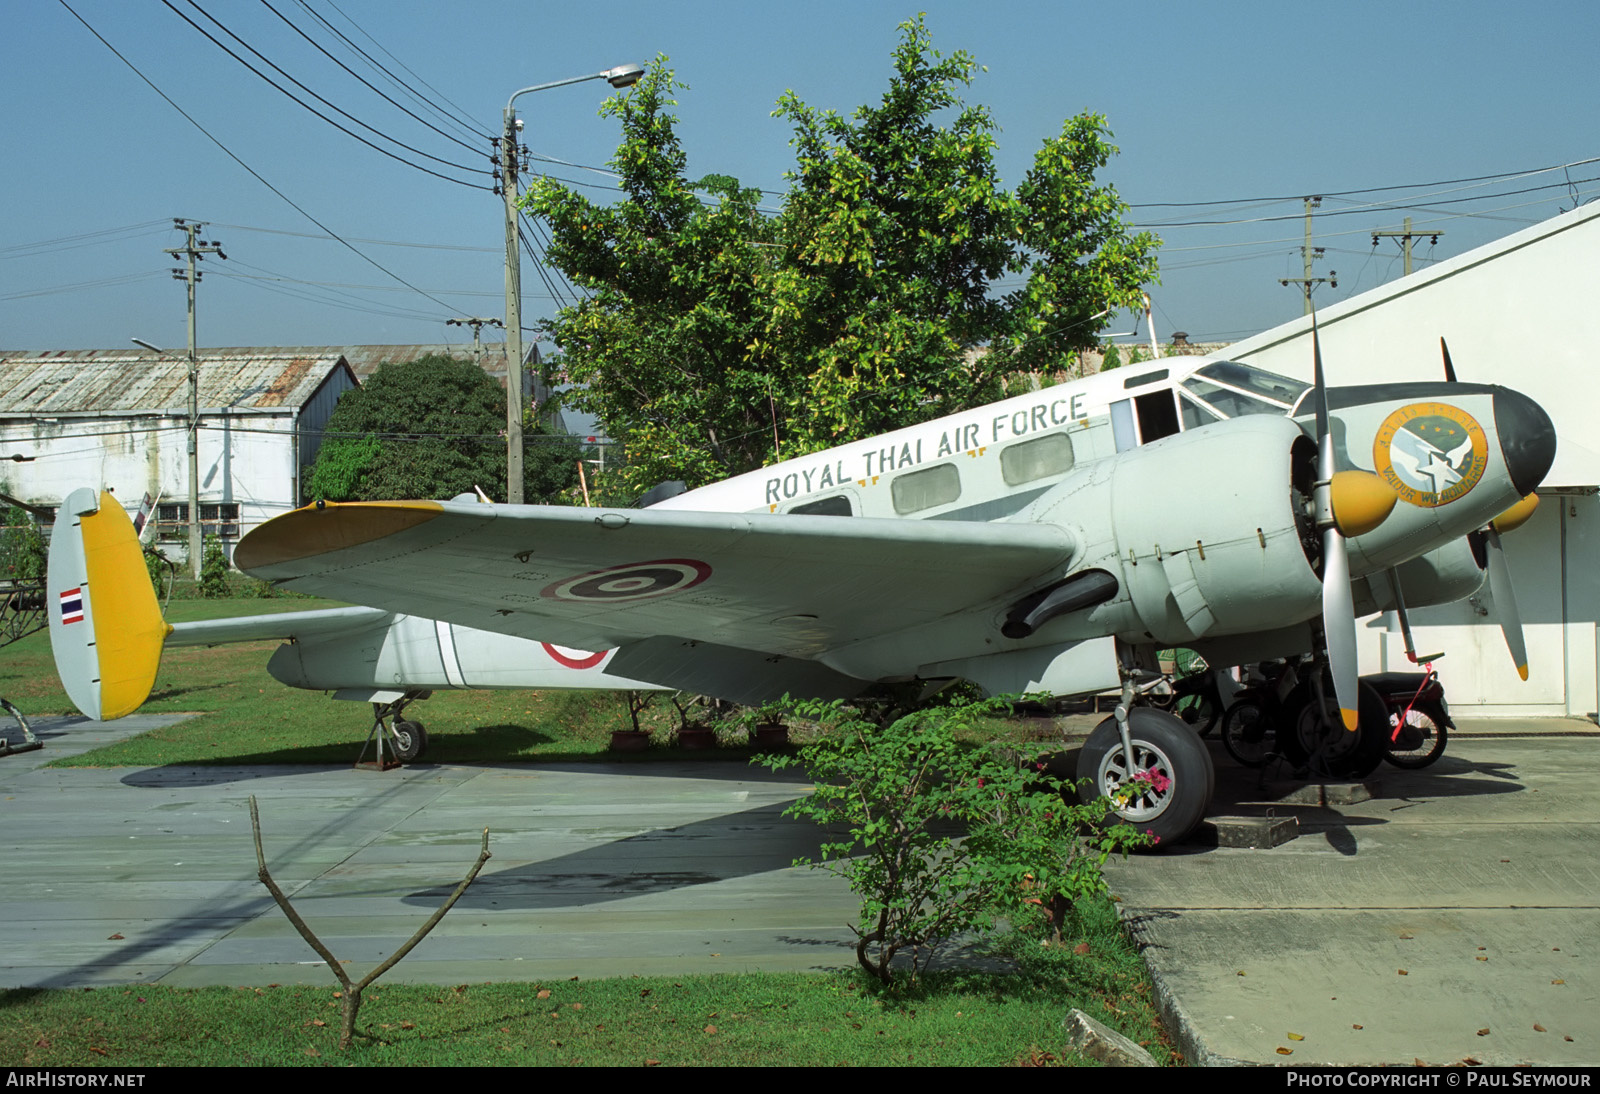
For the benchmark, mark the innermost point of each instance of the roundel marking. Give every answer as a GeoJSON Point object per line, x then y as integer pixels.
{"type": "Point", "coordinates": [571, 658]}
{"type": "Point", "coordinates": [1430, 453]}
{"type": "Point", "coordinates": [634, 581]}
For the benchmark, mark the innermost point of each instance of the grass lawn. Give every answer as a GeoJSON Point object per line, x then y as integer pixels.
{"type": "Point", "coordinates": [953, 1019]}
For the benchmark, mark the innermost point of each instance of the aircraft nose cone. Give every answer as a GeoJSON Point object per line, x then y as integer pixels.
{"type": "Point", "coordinates": [1527, 438]}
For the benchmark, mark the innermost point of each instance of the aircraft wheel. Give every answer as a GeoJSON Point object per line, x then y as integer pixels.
{"type": "Point", "coordinates": [1200, 712]}
{"type": "Point", "coordinates": [1318, 740]}
{"type": "Point", "coordinates": [1247, 733]}
{"type": "Point", "coordinates": [410, 740]}
{"type": "Point", "coordinates": [1172, 765]}
{"type": "Point", "coordinates": [1421, 740]}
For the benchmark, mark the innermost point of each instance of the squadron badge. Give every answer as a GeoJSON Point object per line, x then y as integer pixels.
{"type": "Point", "coordinates": [1431, 453]}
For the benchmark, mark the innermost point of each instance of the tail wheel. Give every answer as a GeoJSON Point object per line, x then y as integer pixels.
{"type": "Point", "coordinates": [1171, 779]}
{"type": "Point", "coordinates": [1317, 739]}
{"type": "Point", "coordinates": [1247, 733]}
{"type": "Point", "coordinates": [1421, 740]}
{"type": "Point", "coordinates": [410, 740]}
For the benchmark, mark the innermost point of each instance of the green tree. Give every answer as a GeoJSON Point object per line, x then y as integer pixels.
{"type": "Point", "coordinates": [431, 428]}
{"type": "Point", "coordinates": [719, 337]}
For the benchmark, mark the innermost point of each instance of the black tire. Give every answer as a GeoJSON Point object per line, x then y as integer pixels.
{"type": "Point", "coordinates": [410, 740]}
{"type": "Point", "coordinates": [1200, 711]}
{"type": "Point", "coordinates": [1166, 747]}
{"type": "Point", "coordinates": [1247, 733]}
{"type": "Point", "coordinates": [1321, 743]}
{"type": "Point", "coordinates": [1421, 740]}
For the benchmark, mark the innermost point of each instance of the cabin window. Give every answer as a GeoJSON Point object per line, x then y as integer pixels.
{"type": "Point", "coordinates": [1026, 461]}
{"type": "Point", "coordinates": [918, 490]}
{"type": "Point", "coordinates": [1147, 378]}
{"type": "Point", "coordinates": [836, 506]}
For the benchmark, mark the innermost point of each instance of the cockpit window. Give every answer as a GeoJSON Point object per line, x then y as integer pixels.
{"type": "Point", "coordinates": [1195, 415]}
{"type": "Point", "coordinates": [1268, 385]}
{"type": "Point", "coordinates": [1228, 402]}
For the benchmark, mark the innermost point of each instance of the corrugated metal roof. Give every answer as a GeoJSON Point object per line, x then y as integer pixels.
{"type": "Point", "coordinates": [67, 381]}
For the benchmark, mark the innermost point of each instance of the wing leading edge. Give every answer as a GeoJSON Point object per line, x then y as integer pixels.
{"type": "Point", "coordinates": [598, 578]}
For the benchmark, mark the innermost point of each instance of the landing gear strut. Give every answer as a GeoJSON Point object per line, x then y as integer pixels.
{"type": "Point", "coordinates": [405, 740]}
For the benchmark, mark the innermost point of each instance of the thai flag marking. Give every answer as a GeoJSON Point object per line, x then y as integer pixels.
{"type": "Point", "coordinates": [72, 606]}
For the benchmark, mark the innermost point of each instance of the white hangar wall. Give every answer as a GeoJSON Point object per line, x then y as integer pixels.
{"type": "Point", "coordinates": [1515, 312]}
{"type": "Point", "coordinates": [245, 459]}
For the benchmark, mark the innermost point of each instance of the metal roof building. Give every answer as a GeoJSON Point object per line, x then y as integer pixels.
{"type": "Point", "coordinates": [119, 419]}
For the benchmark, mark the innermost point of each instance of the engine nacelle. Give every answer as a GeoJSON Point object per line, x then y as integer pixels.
{"type": "Point", "coordinates": [1442, 576]}
{"type": "Point", "coordinates": [1236, 562]}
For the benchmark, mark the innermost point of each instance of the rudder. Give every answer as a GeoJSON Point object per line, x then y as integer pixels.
{"type": "Point", "coordinates": [106, 629]}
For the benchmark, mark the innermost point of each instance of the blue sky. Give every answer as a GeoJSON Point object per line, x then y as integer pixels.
{"type": "Point", "coordinates": [1226, 103]}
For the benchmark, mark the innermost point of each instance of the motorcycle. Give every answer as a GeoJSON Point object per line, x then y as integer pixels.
{"type": "Point", "coordinates": [1419, 719]}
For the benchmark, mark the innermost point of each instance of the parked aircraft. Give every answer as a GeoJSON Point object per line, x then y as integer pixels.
{"type": "Point", "coordinates": [1050, 542]}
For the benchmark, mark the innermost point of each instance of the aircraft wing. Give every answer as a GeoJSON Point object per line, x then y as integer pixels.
{"type": "Point", "coordinates": [598, 578]}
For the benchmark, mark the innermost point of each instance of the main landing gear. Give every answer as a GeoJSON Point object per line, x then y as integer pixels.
{"type": "Point", "coordinates": [1151, 765]}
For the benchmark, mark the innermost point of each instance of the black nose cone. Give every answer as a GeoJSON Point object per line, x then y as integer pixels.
{"type": "Point", "coordinates": [1527, 438]}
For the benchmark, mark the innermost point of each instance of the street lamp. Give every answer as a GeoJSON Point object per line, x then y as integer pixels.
{"type": "Point", "coordinates": [621, 76]}
{"type": "Point", "coordinates": [194, 447]}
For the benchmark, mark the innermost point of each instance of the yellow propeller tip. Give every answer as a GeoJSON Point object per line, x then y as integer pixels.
{"type": "Point", "coordinates": [1351, 718]}
{"type": "Point", "coordinates": [1522, 671]}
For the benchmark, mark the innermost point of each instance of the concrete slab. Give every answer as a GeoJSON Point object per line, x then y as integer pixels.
{"type": "Point", "coordinates": [1443, 919]}
{"type": "Point", "coordinates": [148, 875]}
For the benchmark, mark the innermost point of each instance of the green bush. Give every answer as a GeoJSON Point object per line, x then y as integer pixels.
{"type": "Point", "coordinates": [943, 838]}
{"type": "Point", "coordinates": [214, 570]}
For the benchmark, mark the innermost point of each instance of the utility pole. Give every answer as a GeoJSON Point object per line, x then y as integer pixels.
{"type": "Point", "coordinates": [1307, 254]}
{"type": "Point", "coordinates": [196, 249]}
{"type": "Point", "coordinates": [513, 323]}
{"type": "Point", "coordinates": [477, 323]}
{"type": "Point", "coordinates": [1405, 237]}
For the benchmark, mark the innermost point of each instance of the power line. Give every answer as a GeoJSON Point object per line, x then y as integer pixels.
{"type": "Point", "coordinates": [461, 117]}
{"type": "Point", "coordinates": [253, 172]}
{"type": "Point", "coordinates": [308, 107]}
{"type": "Point", "coordinates": [448, 136]}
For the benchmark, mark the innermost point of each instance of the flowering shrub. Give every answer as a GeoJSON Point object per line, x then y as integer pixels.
{"type": "Point", "coordinates": [941, 838]}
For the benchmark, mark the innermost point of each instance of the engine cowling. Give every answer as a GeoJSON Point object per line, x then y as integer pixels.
{"type": "Point", "coordinates": [1240, 561]}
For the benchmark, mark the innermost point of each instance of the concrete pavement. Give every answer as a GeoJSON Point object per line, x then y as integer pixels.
{"type": "Point", "coordinates": [1477, 878]}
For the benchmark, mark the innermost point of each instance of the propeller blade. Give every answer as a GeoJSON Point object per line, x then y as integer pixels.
{"type": "Point", "coordinates": [1449, 369]}
{"type": "Point", "coordinates": [1339, 625]}
{"type": "Point", "coordinates": [1505, 603]}
{"type": "Point", "coordinates": [1338, 607]}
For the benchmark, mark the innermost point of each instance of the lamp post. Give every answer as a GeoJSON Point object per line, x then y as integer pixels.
{"type": "Point", "coordinates": [621, 76]}
{"type": "Point", "coordinates": [194, 447]}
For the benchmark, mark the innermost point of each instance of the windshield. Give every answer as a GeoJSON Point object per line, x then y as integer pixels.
{"type": "Point", "coordinates": [1234, 390]}
{"type": "Point", "coordinates": [1268, 385]}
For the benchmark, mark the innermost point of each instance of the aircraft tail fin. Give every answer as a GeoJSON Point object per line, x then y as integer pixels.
{"type": "Point", "coordinates": [106, 628]}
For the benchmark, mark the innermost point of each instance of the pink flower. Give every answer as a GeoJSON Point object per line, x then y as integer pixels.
{"type": "Point", "coordinates": [1154, 779]}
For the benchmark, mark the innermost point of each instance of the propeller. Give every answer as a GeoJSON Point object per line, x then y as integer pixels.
{"type": "Point", "coordinates": [1500, 588]}
{"type": "Point", "coordinates": [1338, 607]}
